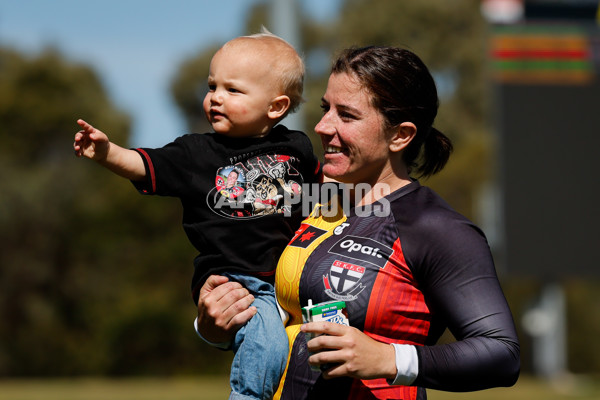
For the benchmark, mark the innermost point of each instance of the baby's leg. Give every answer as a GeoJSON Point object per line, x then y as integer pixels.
{"type": "Point", "coordinates": [261, 347]}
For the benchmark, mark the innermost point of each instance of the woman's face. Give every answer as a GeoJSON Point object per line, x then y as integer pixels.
{"type": "Point", "coordinates": [351, 130]}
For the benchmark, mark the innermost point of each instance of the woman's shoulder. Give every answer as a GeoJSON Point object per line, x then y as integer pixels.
{"type": "Point", "coordinates": [423, 205]}
{"type": "Point", "coordinates": [423, 214]}
{"type": "Point", "coordinates": [435, 237]}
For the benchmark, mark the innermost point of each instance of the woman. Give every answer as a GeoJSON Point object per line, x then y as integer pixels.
{"type": "Point", "coordinates": [406, 264]}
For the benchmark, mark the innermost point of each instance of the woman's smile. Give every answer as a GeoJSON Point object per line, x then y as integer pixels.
{"type": "Point", "coordinates": [333, 149]}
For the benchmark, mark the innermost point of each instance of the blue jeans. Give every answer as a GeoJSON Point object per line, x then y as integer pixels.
{"type": "Point", "coordinates": [260, 346]}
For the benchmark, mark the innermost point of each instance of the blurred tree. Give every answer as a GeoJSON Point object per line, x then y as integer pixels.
{"type": "Point", "coordinates": [40, 98]}
{"type": "Point", "coordinates": [188, 88]}
{"type": "Point", "coordinates": [81, 251]}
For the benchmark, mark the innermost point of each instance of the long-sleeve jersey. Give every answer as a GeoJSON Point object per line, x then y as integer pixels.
{"type": "Point", "coordinates": [407, 269]}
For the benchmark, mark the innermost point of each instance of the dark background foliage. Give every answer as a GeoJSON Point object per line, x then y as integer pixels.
{"type": "Point", "coordinates": [94, 278]}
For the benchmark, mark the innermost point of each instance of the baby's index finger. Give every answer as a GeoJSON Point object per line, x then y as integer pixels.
{"type": "Point", "coordinates": [84, 124]}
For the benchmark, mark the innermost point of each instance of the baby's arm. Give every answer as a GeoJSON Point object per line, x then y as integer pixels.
{"type": "Point", "coordinates": [95, 145]}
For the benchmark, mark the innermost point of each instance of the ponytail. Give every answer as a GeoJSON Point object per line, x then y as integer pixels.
{"type": "Point", "coordinates": [429, 157]}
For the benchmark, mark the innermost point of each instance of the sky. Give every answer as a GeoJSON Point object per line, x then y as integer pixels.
{"type": "Point", "coordinates": [135, 46]}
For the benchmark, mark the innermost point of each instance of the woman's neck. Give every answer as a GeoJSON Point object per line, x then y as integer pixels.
{"type": "Point", "coordinates": [369, 193]}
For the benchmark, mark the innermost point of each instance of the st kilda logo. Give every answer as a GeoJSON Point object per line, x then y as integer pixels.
{"type": "Point", "coordinates": [342, 282]}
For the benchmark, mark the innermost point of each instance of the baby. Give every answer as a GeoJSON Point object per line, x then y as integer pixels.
{"type": "Point", "coordinates": [233, 184]}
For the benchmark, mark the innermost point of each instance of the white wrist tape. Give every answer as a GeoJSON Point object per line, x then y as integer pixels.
{"type": "Point", "coordinates": [407, 364]}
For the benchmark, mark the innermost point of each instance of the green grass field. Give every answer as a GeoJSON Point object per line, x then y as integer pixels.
{"type": "Point", "coordinates": [215, 388]}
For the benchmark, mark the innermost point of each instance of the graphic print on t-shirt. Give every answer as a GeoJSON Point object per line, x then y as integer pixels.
{"type": "Point", "coordinates": [230, 181]}
{"type": "Point", "coordinates": [259, 186]}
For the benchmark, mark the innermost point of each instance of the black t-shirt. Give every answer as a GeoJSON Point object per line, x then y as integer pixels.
{"type": "Point", "coordinates": [240, 196]}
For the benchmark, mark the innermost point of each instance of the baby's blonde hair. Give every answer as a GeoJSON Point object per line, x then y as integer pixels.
{"type": "Point", "coordinates": [287, 65]}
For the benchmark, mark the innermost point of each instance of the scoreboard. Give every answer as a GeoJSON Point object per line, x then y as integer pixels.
{"type": "Point", "coordinates": [546, 81]}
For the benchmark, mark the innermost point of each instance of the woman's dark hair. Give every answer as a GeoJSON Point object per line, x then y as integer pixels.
{"type": "Point", "coordinates": [403, 90]}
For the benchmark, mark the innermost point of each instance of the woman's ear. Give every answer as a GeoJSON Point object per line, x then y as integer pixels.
{"type": "Point", "coordinates": [403, 134]}
{"type": "Point", "coordinates": [279, 106]}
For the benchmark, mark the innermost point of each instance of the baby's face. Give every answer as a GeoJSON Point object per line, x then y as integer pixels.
{"type": "Point", "coordinates": [241, 89]}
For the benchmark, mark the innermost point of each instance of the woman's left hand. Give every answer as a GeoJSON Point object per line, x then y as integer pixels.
{"type": "Point", "coordinates": [351, 352]}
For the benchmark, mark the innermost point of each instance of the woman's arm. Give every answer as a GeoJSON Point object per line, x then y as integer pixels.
{"type": "Point", "coordinates": [459, 281]}
{"type": "Point", "coordinates": [486, 353]}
